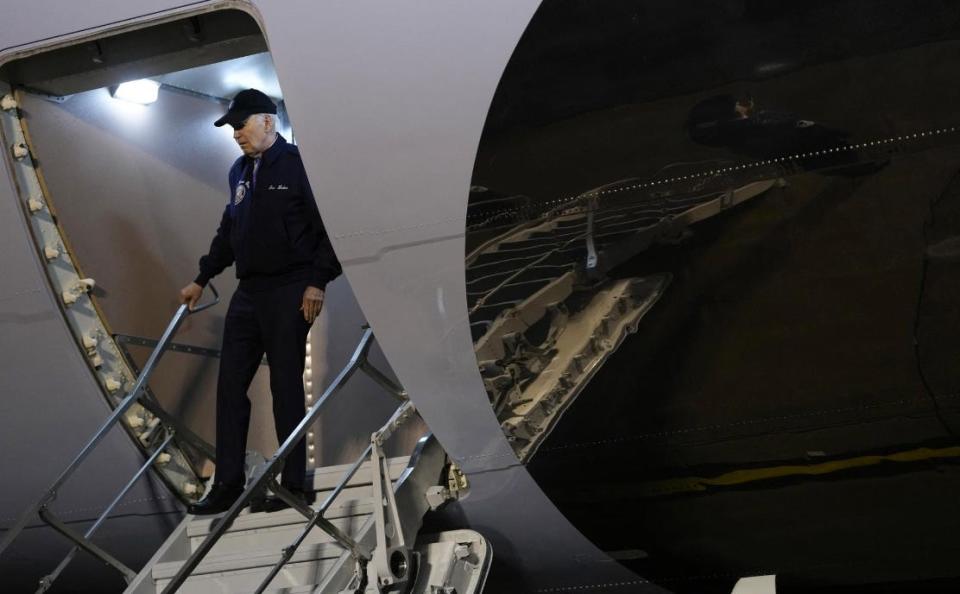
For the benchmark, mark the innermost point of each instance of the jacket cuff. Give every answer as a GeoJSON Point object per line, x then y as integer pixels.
{"type": "Point", "coordinates": [319, 280]}
{"type": "Point", "coordinates": [202, 279]}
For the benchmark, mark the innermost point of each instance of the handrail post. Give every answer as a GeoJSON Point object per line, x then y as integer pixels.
{"type": "Point", "coordinates": [58, 525]}
{"type": "Point", "coordinates": [344, 540]}
{"type": "Point", "coordinates": [288, 551]}
{"type": "Point", "coordinates": [318, 519]}
{"type": "Point", "coordinates": [392, 561]}
{"type": "Point", "coordinates": [272, 467]}
{"type": "Point", "coordinates": [47, 581]}
{"type": "Point", "coordinates": [150, 402]}
{"type": "Point", "coordinates": [126, 403]}
{"type": "Point", "coordinates": [378, 376]}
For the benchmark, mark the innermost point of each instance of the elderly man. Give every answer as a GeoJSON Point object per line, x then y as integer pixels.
{"type": "Point", "coordinates": [271, 229]}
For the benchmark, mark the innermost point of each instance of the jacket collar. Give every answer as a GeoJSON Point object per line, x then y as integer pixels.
{"type": "Point", "coordinates": [270, 155]}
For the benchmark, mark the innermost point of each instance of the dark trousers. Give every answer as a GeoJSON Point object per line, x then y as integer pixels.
{"type": "Point", "coordinates": [262, 322]}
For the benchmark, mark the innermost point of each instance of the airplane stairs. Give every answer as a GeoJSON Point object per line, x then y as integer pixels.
{"type": "Point", "coordinates": [245, 555]}
{"type": "Point", "coordinates": [362, 535]}
{"type": "Point", "coordinates": [252, 546]}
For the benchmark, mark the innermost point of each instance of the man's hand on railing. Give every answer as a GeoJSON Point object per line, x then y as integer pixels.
{"type": "Point", "coordinates": [191, 294]}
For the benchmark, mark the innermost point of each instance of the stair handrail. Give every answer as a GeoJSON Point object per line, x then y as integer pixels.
{"type": "Point", "coordinates": [83, 542]}
{"type": "Point", "coordinates": [401, 414]}
{"type": "Point", "coordinates": [40, 509]}
{"type": "Point", "coordinates": [358, 361]}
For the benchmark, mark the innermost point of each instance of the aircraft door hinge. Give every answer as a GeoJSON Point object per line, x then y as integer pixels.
{"type": "Point", "coordinates": [456, 487]}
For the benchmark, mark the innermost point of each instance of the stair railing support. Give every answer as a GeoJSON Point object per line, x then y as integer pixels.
{"type": "Point", "coordinates": [317, 518]}
{"type": "Point", "coordinates": [272, 468]}
{"type": "Point", "coordinates": [41, 507]}
{"type": "Point", "coordinates": [392, 563]}
{"type": "Point", "coordinates": [47, 581]}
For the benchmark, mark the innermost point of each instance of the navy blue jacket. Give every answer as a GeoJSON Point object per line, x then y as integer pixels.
{"type": "Point", "coordinates": [271, 229]}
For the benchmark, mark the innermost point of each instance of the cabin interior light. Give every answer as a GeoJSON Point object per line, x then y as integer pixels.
{"type": "Point", "coordinates": [143, 91]}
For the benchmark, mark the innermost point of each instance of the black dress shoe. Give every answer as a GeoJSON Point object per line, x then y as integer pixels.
{"type": "Point", "coordinates": [274, 503]}
{"type": "Point", "coordinates": [218, 500]}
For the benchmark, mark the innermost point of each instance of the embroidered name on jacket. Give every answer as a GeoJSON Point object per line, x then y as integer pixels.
{"type": "Point", "coordinates": [280, 187]}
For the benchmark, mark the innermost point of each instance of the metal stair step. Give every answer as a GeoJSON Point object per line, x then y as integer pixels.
{"type": "Point", "coordinates": [254, 542]}
{"type": "Point", "coordinates": [308, 589]}
{"type": "Point", "coordinates": [344, 506]}
{"type": "Point", "coordinates": [328, 477]}
{"type": "Point", "coordinates": [305, 589]}
{"type": "Point", "coordinates": [258, 530]}
{"type": "Point", "coordinates": [279, 536]}
{"type": "Point", "coordinates": [243, 571]}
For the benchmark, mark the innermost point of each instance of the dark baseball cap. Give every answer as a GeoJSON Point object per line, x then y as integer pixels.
{"type": "Point", "coordinates": [245, 104]}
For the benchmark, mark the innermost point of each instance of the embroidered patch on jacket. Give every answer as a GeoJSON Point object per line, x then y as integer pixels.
{"type": "Point", "coordinates": [239, 194]}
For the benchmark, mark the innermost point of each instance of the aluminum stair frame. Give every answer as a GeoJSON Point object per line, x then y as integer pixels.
{"type": "Point", "coordinates": [423, 469]}
{"type": "Point", "coordinates": [137, 394]}
{"type": "Point", "coordinates": [358, 361]}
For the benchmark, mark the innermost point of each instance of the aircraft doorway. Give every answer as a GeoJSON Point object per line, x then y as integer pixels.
{"type": "Point", "coordinates": [129, 187]}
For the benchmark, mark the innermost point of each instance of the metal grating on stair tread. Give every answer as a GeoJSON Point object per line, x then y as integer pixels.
{"type": "Point", "coordinates": [260, 521]}
{"type": "Point", "coordinates": [239, 566]}
{"type": "Point", "coordinates": [276, 530]}
{"type": "Point", "coordinates": [266, 477]}
{"type": "Point", "coordinates": [369, 519]}
{"type": "Point", "coordinates": [279, 536]}
{"type": "Point", "coordinates": [254, 544]}
{"type": "Point", "coordinates": [327, 477]}
{"type": "Point", "coordinates": [422, 474]}
{"type": "Point", "coordinates": [352, 500]}
{"type": "Point", "coordinates": [457, 559]}
{"type": "Point", "coordinates": [248, 560]}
